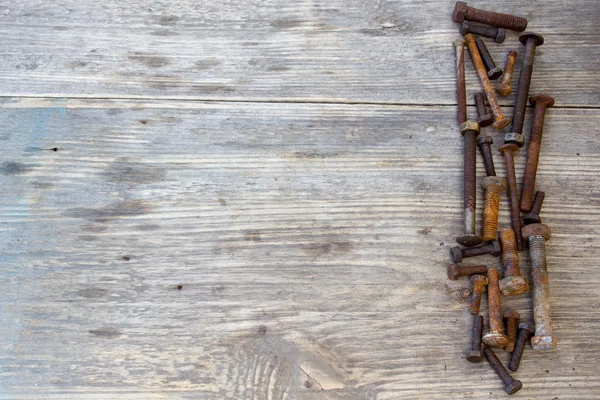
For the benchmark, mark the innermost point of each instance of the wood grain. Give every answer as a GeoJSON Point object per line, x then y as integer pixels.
{"type": "Point", "coordinates": [268, 251]}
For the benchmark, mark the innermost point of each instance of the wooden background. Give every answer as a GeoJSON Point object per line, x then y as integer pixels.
{"type": "Point", "coordinates": [255, 200]}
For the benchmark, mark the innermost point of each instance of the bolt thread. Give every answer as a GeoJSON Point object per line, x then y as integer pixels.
{"type": "Point", "coordinates": [483, 30]}
{"type": "Point", "coordinates": [505, 88]}
{"type": "Point", "coordinates": [537, 252]}
{"type": "Point", "coordinates": [517, 354]}
{"type": "Point", "coordinates": [533, 155]}
{"type": "Point", "coordinates": [488, 159]}
{"type": "Point", "coordinates": [477, 329]}
{"type": "Point", "coordinates": [513, 196]}
{"type": "Point", "coordinates": [521, 99]}
{"type": "Point", "coordinates": [510, 257]}
{"type": "Point", "coordinates": [486, 57]}
{"type": "Point", "coordinates": [507, 21]}
{"type": "Point", "coordinates": [541, 295]}
{"type": "Point", "coordinates": [469, 270]}
{"type": "Point", "coordinates": [490, 212]}
{"type": "Point", "coordinates": [497, 366]}
{"type": "Point", "coordinates": [469, 172]}
{"type": "Point", "coordinates": [477, 251]}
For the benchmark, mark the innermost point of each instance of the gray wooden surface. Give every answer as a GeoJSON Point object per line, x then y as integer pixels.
{"type": "Point", "coordinates": [205, 201]}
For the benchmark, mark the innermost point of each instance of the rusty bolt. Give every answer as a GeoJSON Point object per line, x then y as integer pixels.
{"type": "Point", "coordinates": [461, 91]}
{"type": "Point", "coordinates": [479, 282]}
{"type": "Point", "coordinates": [537, 234]}
{"type": "Point", "coordinates": [476, 355]}
{"type": "Point", "coordinates": [533, 217]}
{"type": "Point", "coordinates": [455, 271]}
{"type": "Point", "coordinates": [513, 196]}
{"type": "Point", "coordinates": [463, 12]}
{"type": "Point", "coordinates": [511, 385]}
{"type": "Point", "coordinates": [504, 88]}
{"type": "Point", "coordinates": [493, 186]}
{"type": "Point", "coordinates": [492, 32]}
{"type": "Point", "coordinates": [512, 319]}
{"type": "Point", "coordinates": [525, 332]}
{"type": "Point", "coordinates": [541, 102]}
{"type": "Point", "coordinates": [513, 283]}
{"type": "Point", "coordinates": [495, 337]}
{"type": "Point", "coordinates": [493, 71]}
{"type": "Point", "coordinates": [483, 117]}
{"type": "Point", "coordinates": [500, 121]}
{"type": "Point", "coordinates": [457, 254]}
{"type": "Point", "coordinates": [484, 143]}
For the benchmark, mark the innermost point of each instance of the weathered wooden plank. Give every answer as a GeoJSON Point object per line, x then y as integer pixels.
{"type": "Point", "coordinates": [335, 51]}
{"type": "Point", "coordinates": [309, 243]}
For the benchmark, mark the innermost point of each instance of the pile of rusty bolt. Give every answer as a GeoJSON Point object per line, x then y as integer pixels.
{"type": "Point", "coordinates": [505, 329]}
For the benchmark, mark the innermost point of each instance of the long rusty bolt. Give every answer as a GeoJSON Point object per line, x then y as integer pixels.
{"type": "Point", "coordinates": [483, 117]}
{"type": "Point", "coordinates": [469, 130]}
{"type": "Point", "coordinates": [493, 71]}
{"type": "Point", "coordinates": [541, 102]}
{"type": "Point", "coordinates": [504, 88]}
{"type": "Point", "coordinates": [513, 196]}
{"type": "Point", "coordinates": [476, 354]}
{"type": "Point", "coordinates": [511, 385]}
{"type": "Point", "coordinates": [512, 319]}
{"type": "Point", "coordinates": [533, 216]}
{"type": "Point", "coordinates": [461, 91]}
{"type": "Point", "coordinates": [454, 271]}
{"type": "Point", "coordinates": [479, 282]}
{"type": "Point", "coordinates": [457, 254]}
{"type": "Point", "coordinates": [525, 332]}
{"type": "Point", "coordinates": [513, 284]}
{"type": "Point", "coordinates": [493, 186]}
{"type": "Point", "coordinates": [495, 337]}
{"type": "Point", "coordinates": [462, 11]}
{"type": "Point", "coordinates": [537, 234]}
{"type": "Point", "coordinates": [492, 32]}
{"type": "Point", "coordinates": [500, 121]}
{"type": "Point", "coordinates": [484, 143]}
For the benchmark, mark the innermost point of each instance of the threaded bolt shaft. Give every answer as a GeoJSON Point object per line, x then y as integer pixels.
{"type": "Point", "coordinates": [492, 32]}
{"type": "Point", "coordinates": [469, 130]}
{"type": "Point", "coordinates": [511, 385]}
{"type": "Point", "coordinates": [479, 281]}
{"type": "Point", "coordinates": [454, 271]}
{"type": "Point", "coordinates": [483, 117]}
{"type": "Point", "coordinates": [476, 354]}
{"type": "Point", "coordinates": [504, 88]}
{"type": "Point", "coordinates": [510, 257]}
{"type": "Point", "coordinates": [488, 62]}
{"type": "Point", "coordinates": [513, 196]}
{"type": "Point", "coordinates": [525, 332]}
{"type": "Point", "coordinates": [462, 11]}
{"type": "Point", "coordinates": [493, 186]}
{"type": "Point", "coordinates": [484, 144]}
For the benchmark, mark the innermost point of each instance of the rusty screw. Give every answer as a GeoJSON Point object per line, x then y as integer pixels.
{"type": "Point", "coordinates": [457, 254]}
{"type": "Point", "coordinates": [512, 319]}
{"type": "Point", "coordinates": [493, 186]}
{"type": "Point", "coordinates": [455, 272]}
{"type": "Point", "coordinates": [479, 282]}
{"type": "Point", "coordinates": [461, 91]}
{"type": "Point", "coordinates": [537, 234]}
{"type": "Point", "coordinates": [533, 217]}
{"type": "Point", "coordinates": [525, 332]}
{"type": "Point", "coordinates": [498, 34]}
{"type": "Point", "coordinates": [500, 121]}
{"type": "Point", "coordinates": [513, 283]}
{"type": "Point", "coordinates": [504, 88]}
{"type": "Point", "coordinates": [541, 102]}
{"type": "Point", "coordinates": [476, 355]}
{"type": "Point", "coordinates": [462, 11]}
{"type": "Point", "coordinates": [484, 143]}
{"type": "Point", "coordinates": [493, 71]}
{"type": "Point", "coordinates": [511, 385]}
{"type": "Point", "coordinates": [484, 118]}
{"type": "Point", "coordinates": [495, 337]}
{"type": "Point", "coordinates": [513, 196]}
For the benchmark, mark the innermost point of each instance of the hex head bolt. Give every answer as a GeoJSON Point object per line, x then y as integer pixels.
{"type": "Point", "coordinates": [461, 91]}
{"type": "Point", "coordinates": [495, 337]}
{"type": "Point", "coordinates": [479, 282]}
{"type": "Point", "coordinates": [493, 71]}
{"type": "Point", "coordinates": [541, 102]}
{"type": "Point", "coordinates": [463, 12]}
{"type": "Point", "coordinates": [455, 272]}
{"type": "Point", "coordinates": [513, 284]}
{"type": "Point", "coordinates": [483, 117]}
{"type": "Point", "coordinates": [513, 196]}
{"type": "Point", "coordinates": [512, 319]}
{"type": "Point", "coordinates": [500, 121]}
{"type": "Point", "coordinates": [533, 217]}
{"type": "Point", "coordinates": [511, 385]}
{"type": "Point", "coordinates": [504, 88]}
{"type": "Point", "coordinates": [457, 254]}
{"type": "Point", "coordinates": [537, 234]}
{"type": "Point", "coordinates": [469, 130]}
{"type": "Point", "coordinates": [484, 143]}
{"type": "Point", "coordinates": [525, 332]}
{"type": "Point", "coordinates": [476, 353]}
{"type": "Point", "coordinates": [493, 186]}
{"type": "Point", "coordinates": [492, 32]}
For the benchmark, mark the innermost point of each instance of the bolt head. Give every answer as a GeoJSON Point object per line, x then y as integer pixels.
{"type": "Point", "coordinates": [531, 218]}
{"type": "Point", "coordinates": [460, 11]}
{"type": "Point", "coordinates": [513, 285]}
{"type": "Point", "coordinates": [504, 90]}
{"type": "Point", "coordinates": [536, 230]}
{"type": "Point", "coordinates": [500, 36]}
{"type": "Point", "coordinates": [511, 314]}
{"type": "Point", "coordinates": [501, 123]}
{"type": "Point", "coordinates": [452, 271]}
{"type": "Point", "coordinates": [485, 120]}
{"type": "Point", "coordinates": [527, 327]}
{"type": "Point", "coordinates": [543, 98]}
{"type": "Point", "coordinates": [479, 278]}
{"type": "Point", "coordinates": [508, 146]}
{"type": "Point", "coordinates": [494, 73]}
{"type": "Point", "coordinates": [469, 240]}
{"type": "Point", "coordinates": [497, 249]}
{"type": "Point", "coordinates": [475, 356]}
{"type": "Point", "coordinates": [546, 342]}
{"type": "Point", "coordinates": [514, 138]}
{"type": "Point", "coordinates": [456, 254]}
{"type": "Point", "coordinates": [539, 39]}
{"type": "Point", "coordinates": [469, 126]}
{"type": "Point", "coordinates": [485, 139]}
{"type": "Point", "coordinates": [493, 181]}
{"type": "Point", "coordinates": [495, 340]}
{"type": "Point", "coordinates": [464, 29]}
{"type": "Point", "coordinates": [513, 387]}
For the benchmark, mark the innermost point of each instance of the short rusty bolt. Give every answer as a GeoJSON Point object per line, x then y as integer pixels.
{"type": "Point", "coordinates": [538, 234]}
{"type": "Point", "coordinates": [493, 71]}
{"type": "Point", "coordinates": [511, 385]}
{"type": "Point", "coordinates": [455, 271]}
{"type": "Point", "coordinates": [495, 337]}
{"type": "Point", "coordinates": [513, 284]}
{"type": "Point", "coordinates": [525, 332]}
{"type": "Point", "coordinates": [533, 217]}
{"type": "Point", "coordinates": [463, 12]}
{"type": "Point", "coordinates": [484, 143]}
{"type": "Point", "coordinates": [457, 254]}
{"type": "Point", "coordinates": [500, 121]}
{"type": "Point", "coordinates": [483, 117]}
{"type": "Point", "coordinates": [492, 32]}
{"type": "Point", "coordinates": [512, 319]}
{"type": "Point", "coordinates": [541, 102]}
{"type": "Point", "coordinates": [476, 353]}
{"type": "Point", "coordinates": [479, 282]}
{"type": "Point", "coordinates": [511, 180]}
{"type": "Point", "coordinates": [493, 186]}
{"type": "Point", "coordinates": [504, 88]}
